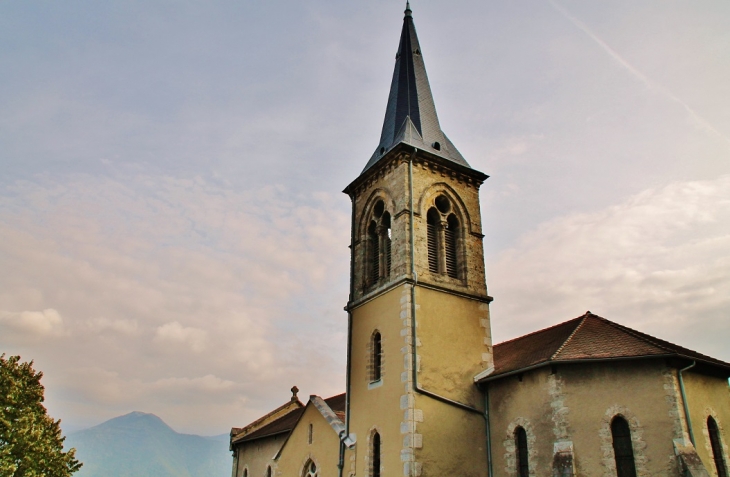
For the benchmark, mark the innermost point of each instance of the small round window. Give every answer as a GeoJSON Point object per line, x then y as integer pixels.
{"type": "Point", "coordinates": [443, 204]}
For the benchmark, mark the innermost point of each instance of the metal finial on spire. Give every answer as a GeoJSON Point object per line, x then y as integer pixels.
{"type": "Point", "coordinates": [408, 8]}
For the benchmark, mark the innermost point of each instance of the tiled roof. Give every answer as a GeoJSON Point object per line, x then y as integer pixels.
{"type": "Point", "coordinates": [286, 423]}
{"type": "Point", "coordinates": [282, 425]}
{"type": "Point", "coordinates": [337, 403]}
{"type": "Point", "coordinates": [588, 337]}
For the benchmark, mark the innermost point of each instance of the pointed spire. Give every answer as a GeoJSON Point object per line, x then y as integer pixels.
{"type": "Point", "coordinates": [410, 116]}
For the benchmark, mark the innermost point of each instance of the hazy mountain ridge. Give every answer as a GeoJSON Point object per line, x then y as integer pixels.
{"type": "Point", "coordinates": [142, 445]}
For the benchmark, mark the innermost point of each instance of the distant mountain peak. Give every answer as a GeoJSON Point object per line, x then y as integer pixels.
{"type": "Point", "coordinates": [140, 444]}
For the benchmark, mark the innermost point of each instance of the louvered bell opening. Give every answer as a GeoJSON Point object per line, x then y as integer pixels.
{"type": "Point", "coordinates": [433, 252]}
{"type": "Point", "coordinates": [374, 260]}
{"type": "Point", "coordinates": [451, 265]}
{"type": "Point", "coordinates": [387, 255]}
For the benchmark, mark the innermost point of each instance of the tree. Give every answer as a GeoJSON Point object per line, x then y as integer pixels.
{"type": "Point", "coordinates": [31, 444]}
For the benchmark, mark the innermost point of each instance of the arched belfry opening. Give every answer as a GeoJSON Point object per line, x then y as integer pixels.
{"type": "Point", "coordinates": [379, 245]}
{"type": "Point", "coordinates": [444, 239]}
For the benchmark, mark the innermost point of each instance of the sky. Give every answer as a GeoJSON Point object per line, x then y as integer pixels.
{"type": "Point", "coordinates": [173, 236]}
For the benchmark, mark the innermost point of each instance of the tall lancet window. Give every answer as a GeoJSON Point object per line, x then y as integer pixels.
{"type": "Point", "coordinates": [376, 357]}
{"type": "Point", "coordinates": [433, 220]}
{"type": "Point", "coordinates": [622, 448]}
{"type": "Point", "coordinates": [716, 444]}
{"type": "Point", "coordinates": [374, 255]}
{"type": "Point", "coordinates": [386, 239]}
{"type": "Point", "coordinates": [379, 237]}
{"type": "Point", "coordinates": [375, 442]}
{"type": "Point", "coordinates": [451, 236]}
{"type": "Point", "coordinates": [523, 467]}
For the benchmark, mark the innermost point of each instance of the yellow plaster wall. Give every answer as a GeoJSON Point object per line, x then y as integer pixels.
{"type": "Point", "coordinates": [454, 440]}
{"type": "Point", "coordinates": [380, 406]}
{"type": "Point", "coordinates": [454, 344]}
{"type": "Point", "coordinates": [577, 404]}
{"type": "Point", "coordinates": [708, 396]}
{"type": "Point", "coordinates": [324, 449]}
{"type": "Point", "coordinates": [257, 455]}
{"type": "Point", "coordinates": [525, 403]}
{"type": "Point", "coordinates": [594, 394]}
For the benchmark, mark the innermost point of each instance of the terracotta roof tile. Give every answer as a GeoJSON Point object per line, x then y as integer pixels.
{"type": "Point", "coordinates": [584, 338]}
{"type": "Point", "coordinates": [337, 403]}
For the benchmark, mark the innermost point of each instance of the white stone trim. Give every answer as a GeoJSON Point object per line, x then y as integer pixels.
{"type": "Point", "coordinates": [510, 447]}
{"type": "Point", "coordinates": [637, 441]}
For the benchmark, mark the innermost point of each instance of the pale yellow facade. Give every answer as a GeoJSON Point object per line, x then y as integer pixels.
{"type": "Point", "coordinates": [312, 440]}
{"type": "Point", "coordinates": [574, 404]}
{"type": "Point", "coordinates": [253, 459]}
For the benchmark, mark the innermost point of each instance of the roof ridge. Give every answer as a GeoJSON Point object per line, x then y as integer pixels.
{"type": "Point", "coordinates": [580, 325]}
{"type": "Point", "coordinates": [539, 331]}
{"type": "Point", "coordinates": [258, 421]}
{"type": "Point", "coordinates": [639, 335]}
{"type": "Point", "coordinates": [660, 343]}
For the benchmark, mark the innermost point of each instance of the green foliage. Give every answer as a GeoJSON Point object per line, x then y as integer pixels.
{"type": "Point", "coordinates": [31, 444]}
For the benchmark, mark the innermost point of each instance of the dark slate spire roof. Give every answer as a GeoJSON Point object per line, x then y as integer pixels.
{"type": "Point", "coordinates": [410, 116]}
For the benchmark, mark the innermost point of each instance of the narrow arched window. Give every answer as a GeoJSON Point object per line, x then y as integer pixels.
{"type": "Point", "coordinates": [310, 469]}
{"type": "Point", "coordinates": [523, 467]}
{"type": "Point", "coordinates": [374, 255]}
{"type": "Point", "coordinates": [622, 448]}
{"type": "Point", "coordinates": [432, 220]}
{"type": "Point", "coordinates": [245, 472]}
{"type": "Point", "coordinates": [268, 471]}
{"type": "Point", "coordinates": [375, 469]}
{"type": "Point", "coordinates": [386, 243]}
{"type": "Point", "coordinates": [310, 434]}
{"type": "Point", "coordinates": [451, 236]}
{"type": "Point", "coordinates": [716, 444]}
{"type": "Point", "coordinates": [376, 357]}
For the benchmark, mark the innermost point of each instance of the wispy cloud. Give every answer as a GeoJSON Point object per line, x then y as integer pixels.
{"type": "Point", "coordinates": [658, 261]}
{"type": "Point", "coordinates": [649, 83]}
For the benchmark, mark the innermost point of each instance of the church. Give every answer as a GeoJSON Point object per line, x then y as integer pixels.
{"type": "Point", "coordinates": [428, 393]}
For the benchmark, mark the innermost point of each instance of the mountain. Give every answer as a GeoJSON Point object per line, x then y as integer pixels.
{"type": "Point", "coordinates": [142, 445]}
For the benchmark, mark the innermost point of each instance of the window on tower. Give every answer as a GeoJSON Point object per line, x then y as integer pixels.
{"type": "Point", "coordinates": [374, 258]}
{"type": "Point", "coordinates": [375, 453]}
{"type": "Point", "coordinates": [433, 220]}
{"type": "Point", "coordinates": [443, 232]}
{"type": "Point", "coordinates": [379, 238]}
{"type": "Point", "coordinates": [376, 357]}
{"type": "Point", "coordinates": [451, 236]}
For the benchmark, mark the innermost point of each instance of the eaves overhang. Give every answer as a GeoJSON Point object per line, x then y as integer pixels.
{"type": "Point", "coordinates": [396, 153]}
{"type": "Point", "coordinates": [725, 370]}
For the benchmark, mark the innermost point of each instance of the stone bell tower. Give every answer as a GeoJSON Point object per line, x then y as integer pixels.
{"type": "Point", "coordinates": [418, 308]}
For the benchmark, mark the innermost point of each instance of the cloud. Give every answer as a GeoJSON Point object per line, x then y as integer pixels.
{"type": "Point", "coordinates": [32, 324]}
{"type": "Point", "coordinates": [174, 332]}
{"type": "Point", "coordinates": [208, 384]}
{"type": "Point", "coordinates": [182, 282]}
{"type": "Point", "coordinates": [122, 326]}
{"type": "Point", "coordinates": [658, 262]}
